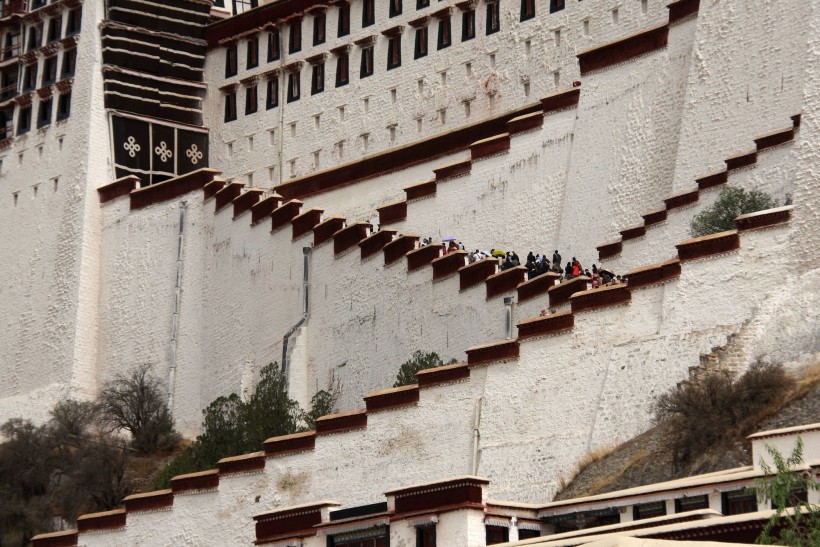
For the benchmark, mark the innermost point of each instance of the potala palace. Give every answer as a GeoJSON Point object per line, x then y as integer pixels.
{"type": "Point", "coordinates": [211, 188]}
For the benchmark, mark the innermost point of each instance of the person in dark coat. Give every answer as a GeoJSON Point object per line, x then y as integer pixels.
{"type": "Point", "coordinates": [556, 258]}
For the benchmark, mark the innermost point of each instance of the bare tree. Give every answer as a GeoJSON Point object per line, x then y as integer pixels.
{"type": "Point", "coordinates": [134, 402]}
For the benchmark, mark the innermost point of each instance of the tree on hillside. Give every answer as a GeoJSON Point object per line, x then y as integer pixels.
{"type": "Point", "coordinates": [419, 361]}
{"type": "Point", "coordinates": [135, 402]}
{"type": "Point", "coordinates": [795, 522]}
{"type": "Point", "coordinates": [731, 203]}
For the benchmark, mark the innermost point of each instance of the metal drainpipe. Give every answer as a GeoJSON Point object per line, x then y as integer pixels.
{"type": "Point", "coordinates": [508, 302]}
{"type": "Point", "coordinates": [172, 370]}
{"type": "Point", "coordinates": [305, 287]}
{"type": "Point", "coordinates": [476, 435]}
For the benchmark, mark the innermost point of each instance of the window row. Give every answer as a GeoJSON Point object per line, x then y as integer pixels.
{"type": "Point", "coordinates": [25, 115]}
{"type": "Point", "coordinates": [294, 37]}
{"type": "Point", "coordinates": [42, 34]}
{"type": "Point", "coordinates": [15, 79]}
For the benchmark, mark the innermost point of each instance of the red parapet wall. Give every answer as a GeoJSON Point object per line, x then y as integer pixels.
{"type": "Point", "coordinates": [448, 264]}
{"type": "Point", "coordinates": [260, 211]}
{"type": "Point", "coordinates": [623, 50]}
{"type": "Point", "coordinates": [349, 237]}
{"type": "Point", "coordinates": [633, 233]}
{"type": "Point", "coordinates": [427, 188]}
{"type": "Point", "coordinates": [682, 199]}
{"type": "Point", "coordinates": [443, 375]}
{"type": "Point", "coordinates": [682, 9]}
{"type": "Point", "coordinates": [149, 501]}
{"type": "Point", "coordinates": [525, 123]}
{"type": "Point", "coordinates": [743, 160]}
{"type": "Point", "coordinates": [490, 146]}
{"type": "Point", "coordinates": [548, 324]}
{"type": "Point", "coordinates": [287, 523]}
{"type": "Point", "coordinates": [477, 272]}
{"type": "Point", "coordinates": [418, 258]}
{"type": "Point", "coordinates": [66, 538]}
{"type": "Point", "coordinates": [653, 274]}
{"type": "Point", "coordinates": [399, 247]}
{"type": "Point", "coordinates": [288, 444]}
{"type": "Point", "coordinates": [325, 230]}
{"type": "Point", "coordinates": [376, 242]}
{"type": "Point", "coordinates": [106, 520]}
{"type": "Point", "coordinates": [602, 297]}
{"type": "Point", "coordinates": [344, 421]}
{"type": "Point", "coordinates": [451, 170]}
{"type": "Point", "coordinates": [654, 217]}
{"type": "Point", "coordinates": [536, 286]}
{"type": "Point", "coordinates": [118, 188]}
{"type": "Point", "coordinates": [392, 398]}
{"type": "Point", "coordinates": [203, 480]}
{"type": "Point", "coordinates": [245, 201]}
{"type": "Point", "coordinates": [210, 189]}
{"type": "Point", "coordinates": [560, 100]}
{"type": "Point", "coordinates": [710, 181]}
{"type": "Point", "coordinates": [392, 212]}
{"type": "Point", "coordinates": [608, 250]}
{"type": "Point", "coordinates": [774, 139]}
{"type": "Point", "coordinates": [490, 353]}
{"type": "Point", "coordinates": [762, 219]}
{"type": "Point", "coordinates": [245, 463]}
{"type": "Point", "coordinates": [172, 188]}
{"type": "Point", "coordinates": [460, 492]}
{"type": "Point", "coordinates": [559, 294]}
{"type": "Point", "coordinates": [227, 194]}
{"type": "Point", "coordinates": [283, 215]}
{"type": "Point", "coordinates": [505, 281]}
{"type": "Point", "coordinates": [306, 222]}
{"type": "Point", "coordinates": [708, 245]}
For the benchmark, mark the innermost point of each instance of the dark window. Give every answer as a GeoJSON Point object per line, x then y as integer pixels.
{"type": "Point", "coordinates": [7, 123]}
{"type": "Point", "coordinates": [394, 52]}
{"type": "Point", "coordinates": [426, 536]}
{"type": "Point", "coordinates": [648, 510]}
{"type": "Point", "coordinates": [444, 36]}
{"type": "Point", "coordinates": [527, 9]}
{"type": "Point", "coordinates": [368, 12]}
{"type": "Point", "coordinates": [69, 63]}
{"type": "Point", "coordinates": [273, 45]}
{"type": "Point", "coordinates": [294, 79]}
{"type": "Point", "coordinates": [366, 68]}
{"type": "Point", "coordinates": [342, 69]}
{"type": "Point", "coordinates": [796, 497]}
{"type": "Point", "coordinates": [319, 29]}
{"type": "Point", "coordinates": [253, 52]}
{"type": "Point", "coordinates": [692, 503]}
{"type": "Point", "coordinates": [251, 100]}
{"type": "Point", "coordinates": [72, 26]}
{"type": "Point", "coordinates": [44, 113]}
{"type": "Point", "coordinates": [272, 100]}
{"type": "Point", "coordinates": [8, 83]}
{"type": "Point", "coordinates": [241, 6]}
{"type": "Point", "coordinates": [739, 501]}
{"type": "Point", "coordinates": [421, 43]}
{"type": "Point", "coordinates": [12, 46]}
{"type": "Point", "coordinates": [37, 4]}
{"type": "Point", "coordinates": [317, 79]}
{"type": "Point", "coordinates": [230, 60]}
{"type": "Point", "coordinates": [395, 8]}
{"type": "Point", "coordinates": [63, 106]}
{"type": "Point", "coordinates": [493, 19]}
{"type": "Point", "coordinates": [24, 120]}
{"type": "Point", "coordinates": [49, 70]}
{"type": "Point", "coordinates": [556, 5]}
{"type": "Point", "coordinates": [295, 36]}
{"type": "Point", "coordinates": [230, 106]}
{"type": "Point", "coordinates": [344, 19]}
{"type": "Point", "coordinates": [422, 4]}
{"type": "Point", "coordinates": [54, 29]}
{"type": "Point", "coordinates": [468, 25]}
{"type": "Point", "coordinates": [527, 534]}
{"type": "Point", "coordinates": [34, 34]}
{"type": "Point", "coordinates": [497, 534]}
{"type": "Point", "coordinates": [30, 77]}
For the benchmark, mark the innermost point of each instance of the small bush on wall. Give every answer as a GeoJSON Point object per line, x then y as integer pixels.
{"type": "Point", "coordinates": [731, 203]}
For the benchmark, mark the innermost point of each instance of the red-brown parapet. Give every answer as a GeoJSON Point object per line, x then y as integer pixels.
{"type": "Point", "coordinates": [284, 214]}
{"type": "Point", "coordinates": [525, 123]}
{"type": "Point", "coordinates": [796, 121]}
{"type": "Point", "coordinates": [399, 247]}
{"type": "Point", "coordinates": [325, 230]}
{"type": "Point", "coordinates": [396, 397]}
{"type": "Point", "coordinates": [760, 219]}
{"type": "Point", "coordinates": [681, 9]}
{"type": "Point", "coordinates": [373, 244]}
{"type": "Point", "coordinates": [505, 281]}
{"type": "Point", "coordinates": [442, 375]}
{"type": "Point", "coordinates": [475, 273]}
{"type": "Point", "coordinates": [774, 139]}
{"type": "Point", "coordinates": [392, 212]}
{"type": "Point", "coordinates": [448, 264]}
{"type": "Point", "coordinates": [560, 100]}
{"type": "Point", "coordinates": [264, 208]}
{"type": "Point", "coordinates": [65, 538]}
{"type": "Point", "coordinates": [492, 352]}
{"type": "Point", "coordinates": [623, 50]}
{"type": "Point", "coordinates": [343, 421]}
{"type": "Point", "coordinates": [305, 222]}
{"type": "Point", "coordinates": [424, 189]}
{"type": "Point", "coordinates": [210, 189]}
{"type": "Point", "coordinates": [350, 236]}
{"type": "Point", "coordinates": [489, 146]}
{"type": "Point", "coordinates": [655, 217]}
{"type": "Point", "coordinates": [536, 286]}
{"type": "Point", "coordinates": [547, 324]}
{"type": "Point", "coordinates": [633, 232]}
{"type": "Point", "coordinates": [559, 294]}
{"type": "Point", "coordinates": [149, 501]}
{"type": "Point", "coordinates": [741, 160]}
{"type": "Point", "coordinates": [289, 444]}
{"type": "Point", "coordinates": [654, 273]}
{"type": "Point", "coordinates": [602, 297]}
{"type": "Point", "coordinates": [708, 245]}
{"type": "Point", "coordinates": [227, 194]}
{"type": "Point", "coordinates": [244, 463]}
{"type": "Point", "coordinates": [455, 169]}
{"type": "Point", "coordinates": [171, 188]}
{"type": "Point", "coordinates": [421, 257]}
{"type": "Point", "coordinates": [450, 494]}
{"type": "Point", "coordinates": [608, 250]}
{"type": "Point", "coordinates": [202, 480]}
{"type": "Point", "coordinates": [118, 188]}
{"type": "Point", "coordinates": [245, 201]}
{"type": "Point", "coordinates": [291, 522]}
{"type": "Point", "coordinates": [715, 179]}
{"type": "Point", "coordinates": [682, 199]}
{"type": "Point", "coordinates": [105, 520]}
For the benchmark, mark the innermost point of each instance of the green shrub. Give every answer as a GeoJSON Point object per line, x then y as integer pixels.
{"type": "Point", "coordinates": [419, 361]}
{"type": "Point", "coordinates": [731, 203]}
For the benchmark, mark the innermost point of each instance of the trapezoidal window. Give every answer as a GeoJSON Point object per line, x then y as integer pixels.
{"type": "Point", "coordinates": [366, 68]}
{"type": "Point", "coordinates": [468, 25]}
{"type": "Point", "coordinates": [317, 79]}
{"type": "Point", "coordinates": [69, 64]}
{"type": "Point", "coordinates": [394, 52]}
{"type": "Point", "coordinates": [273, 45]}
{"type": "Point", "coordinates": [319, 23]}
{"type": "Point", "coordinates": [395, 8]}
{"type": "Point", "coordinates": [556, 5]}
{"type": "Point", "coordinates": [63, 106]}
{"type": "Point", "coordinates": [294, 81]}
{"type": "Point", "coordinates": [420, 49]}
{"type": "Point", "coordinates": [342, 69]}
{"type": "Point", "coordinates": [295, 36]}
{"type": "Point", "coordinates": [44, 113]}
{"type": "Point", "coordinates": [344, 19]}
{"type": "Point", "coordinates": [24, 120]}
{"type": "Point", "coordinates": [253, 52]}
{"type": "Point", "coordinates": [230, 60]}
{"type": "Point", "coordinates": [368, 12]}
{"type": "Point", "coordinates": [230, 106]}
{"type": "Point", "coordinates": [422, 4]}
{"type": "Point", "coordinates": [272, 100]}
{"type": "Point", "coordinates": [251, 100]}
{"type": "Point", "coordinates": [527, 9]}
{"type": "Point", "coordinates": [493, 18]}
{"type": "Point", "coordinates": [445, 37]}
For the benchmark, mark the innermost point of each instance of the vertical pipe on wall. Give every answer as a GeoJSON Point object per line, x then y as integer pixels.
{"type": "Point", "coordinates": [305, 301]}
{"type": "Point", "coordinates": [508, 302]}
{"type": "Point", "coordinates": [172, 369]}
